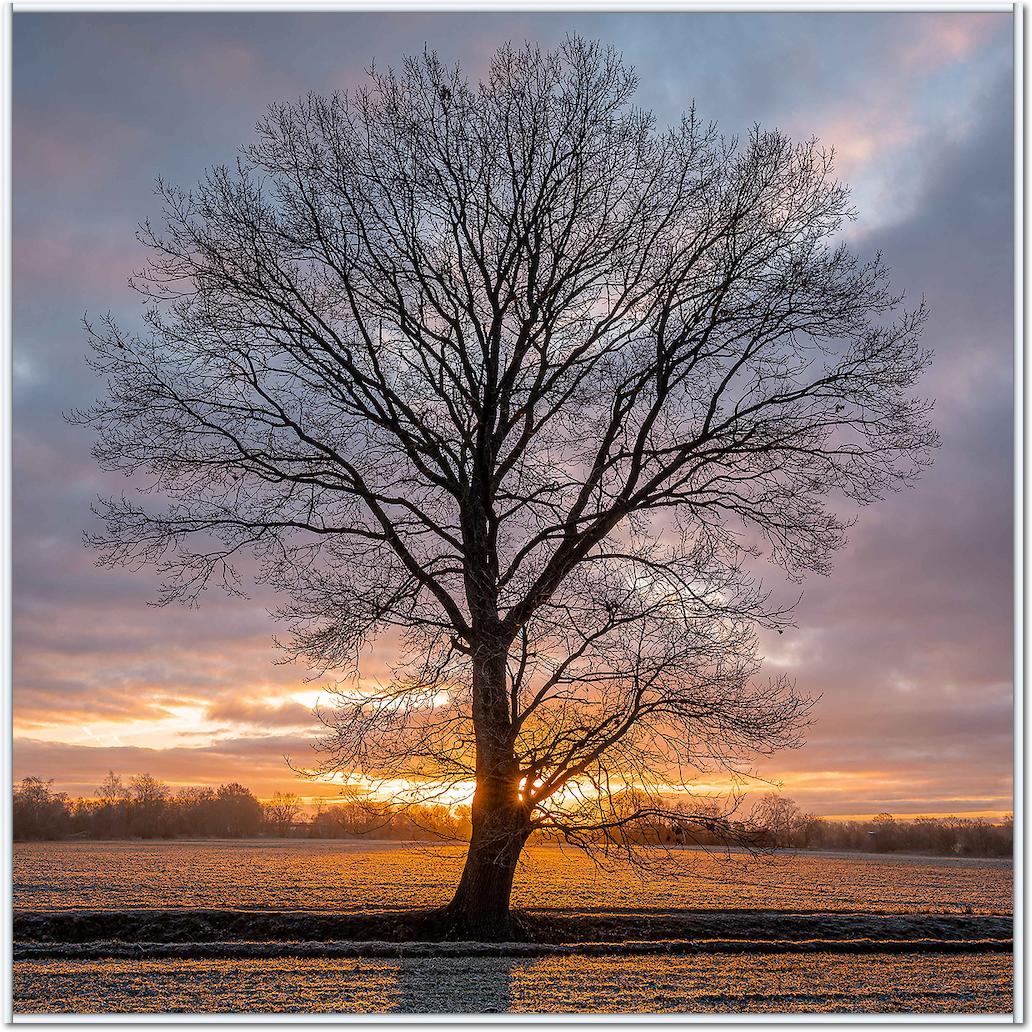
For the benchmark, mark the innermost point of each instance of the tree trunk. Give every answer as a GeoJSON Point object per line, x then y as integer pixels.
{"type": "Point", "coordinates": [480, 908]}
{"type": "Point", "coordinates": [501, 822]}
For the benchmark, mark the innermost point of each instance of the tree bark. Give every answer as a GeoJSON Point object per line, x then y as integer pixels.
{"type": "Point", "coordinates": [500, 819]}
{"type": "Point", "coordinates": [480, 908]}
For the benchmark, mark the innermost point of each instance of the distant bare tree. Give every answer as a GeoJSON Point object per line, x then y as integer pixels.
{"type": "Point", "coordinates": [146, 806]}
{"type": "Point", "coordinates": [112, 790]}
{"type": "Point", "coordinates": [37, 811]}
{"type": "Point", "coordinates": [514, 380]}
{"type": "Point", "coordinates": [776, 816]}
{"type": "Point", "coordinates": [280, 812]}
{"type": "Point", "coordinates": [113, 804]}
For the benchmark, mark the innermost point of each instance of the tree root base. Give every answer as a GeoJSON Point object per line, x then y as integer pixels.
{"type": "Point", "coordinates": [444, 925]}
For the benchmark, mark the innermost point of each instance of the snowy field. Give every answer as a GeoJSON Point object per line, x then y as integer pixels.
{"type": "Point", "coordinates": [343, 875]}
{"type": "Point", "coordinates": [818, 982]}
{"type": "Point", "coordinates": [277, 926]}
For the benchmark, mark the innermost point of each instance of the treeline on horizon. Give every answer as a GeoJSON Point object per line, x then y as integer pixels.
{"type": "Point", "coordinates": [940, 836]}
{"type": "Point", "coordinates": [142, 807]}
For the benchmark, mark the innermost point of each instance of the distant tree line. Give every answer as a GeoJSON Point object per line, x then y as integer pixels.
{"type": "Point", "coordinates": [144, 807]}
{"type": "Point", "coordinates": [779, 822]}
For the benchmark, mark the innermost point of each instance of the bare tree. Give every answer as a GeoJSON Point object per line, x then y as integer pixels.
{"type": "Point", "coordinates": [281, 811]}
{"type": "Point", "coordinates": [511, 378]}
{"type": "Point", "coordinates": [775, 817]}
{"type": "Point", "coordinates": [146, 806]}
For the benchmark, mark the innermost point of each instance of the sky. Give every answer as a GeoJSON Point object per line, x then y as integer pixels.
{"type": "Point", "coordinates": [909, 641]}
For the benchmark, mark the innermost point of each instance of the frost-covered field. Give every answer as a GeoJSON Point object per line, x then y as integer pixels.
{"type": "Point", "coordinates": [978, 983]}
{"type": "Point", "coordinates": [335, 875]}
{"type": "Point", "coordinates": [199, 961]}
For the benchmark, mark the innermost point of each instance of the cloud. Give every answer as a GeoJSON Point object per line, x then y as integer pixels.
{"type": "Point", "coordinates": [263, 714]}
{"type": "Point", "coordinates": [945, 38]}
{"type": "Point", "coordinates": [49, 257]}
{"type": "Point", "coordinates": [260, 763]}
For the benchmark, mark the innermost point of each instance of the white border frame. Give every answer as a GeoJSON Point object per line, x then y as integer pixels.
{"type": "Point", "coordinates": [1021, 432]}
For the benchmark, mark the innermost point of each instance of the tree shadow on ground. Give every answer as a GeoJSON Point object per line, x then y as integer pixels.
{"type": "Point", "coordinates": [454, 985]}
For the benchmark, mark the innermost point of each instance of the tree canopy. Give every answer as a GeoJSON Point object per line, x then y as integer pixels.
{"type": "Point", "coordinates": [510, 376]}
